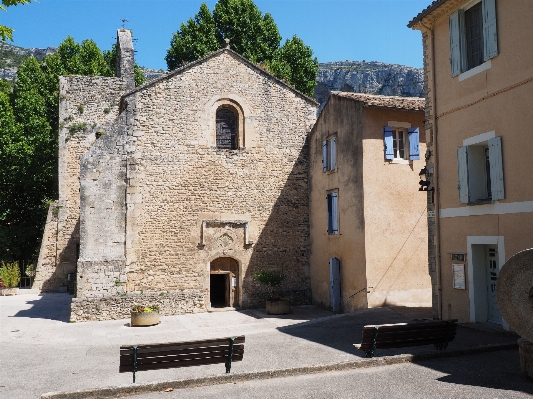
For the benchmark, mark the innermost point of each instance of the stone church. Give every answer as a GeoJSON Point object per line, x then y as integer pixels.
{"type": "Point", "coordinates": [176, 192]}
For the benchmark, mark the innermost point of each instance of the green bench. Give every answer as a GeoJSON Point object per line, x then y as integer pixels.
{"type": "Point", "coordinates": [436, 332]}
{"type": "Point", "coordinates": [181, 354]}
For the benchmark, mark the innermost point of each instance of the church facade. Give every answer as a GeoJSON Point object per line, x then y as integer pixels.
{"type": "Point", "coordinates": [176, 192]}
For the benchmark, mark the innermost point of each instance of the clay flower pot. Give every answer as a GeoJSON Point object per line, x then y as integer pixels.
{"type": "Point", "coordinates": [278, 306]}
{"type": "Point", "coordinates": [144, 319]}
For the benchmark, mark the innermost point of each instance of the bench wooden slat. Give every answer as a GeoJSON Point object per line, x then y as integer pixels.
{"type": "Point", "coordinates": [185, 363]}
{"type": "Point", "coordinates": [176, 356]}
{"type": "Point", "coordinates": [172, 351]}
{"type": "Point", "coordinates": [127, 349]}
{"type": "Point", "coordinates": [438, 332]}
{"type": "Point", "coordinates": [181, 354]}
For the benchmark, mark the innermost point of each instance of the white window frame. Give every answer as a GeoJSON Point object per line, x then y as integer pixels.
{"type": "Point", "coordinates": [396, 144]}
{"type": "Point", "coordinates": [472, 171]}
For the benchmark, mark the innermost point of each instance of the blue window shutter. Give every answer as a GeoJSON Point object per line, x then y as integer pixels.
{"type": "Point", "coordinates": [324, 156]}
{"type": "Point", "coordinates": [330, 218]}
{"type": "Point", "coordinates": [387, 142]}
{"type": "Point", "coordinates": [333, 153]}
{"type": "Point", "coordinates": [414, 144]}
{"type": "Point", "coordinates": [334, 214]}
{"type": "Point", "coordinates": [496, 168]}
{"type": "Point", "coordinates": [455, 43]}
{"type": "Point", "coordinates": [490, 36]}
{"type": "Point", "coordinates": [335, 284]}
{"type": "Point", "coordinates": [462, 169]}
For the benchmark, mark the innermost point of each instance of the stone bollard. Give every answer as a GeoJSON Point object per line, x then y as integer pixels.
{"type": "Point", "coordinates": [526, 357]}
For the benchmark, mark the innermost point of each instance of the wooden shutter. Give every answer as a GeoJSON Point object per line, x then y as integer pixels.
{"type": "Point", "coordinates": [462, 168]}
{"type": "Point", "coordinates": [496, 168]}
{"type": "Point", "coordinates": [324, 156]}
{"type": "Point", "coordinates": [330, 214]}
{"type": "Point", "coordinates": [333, 153]}
{"type": "Point", "coordinates": [414, 144]}
{"type": "Point", "coordinates": [335, 284]}
{"type": "Point", "coordinates": [490, 36]}
{"type": "Point", "coordinates": [334, 213]}
{"type": "Point", "coordinates": [455, 43]}
{"type": "Point", "coordinates": [387, 142]}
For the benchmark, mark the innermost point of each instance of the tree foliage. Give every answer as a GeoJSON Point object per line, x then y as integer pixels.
{"type": "Point", "coordinates": [5, 32]}
{"type": "Point", "coordinates": [29, 123]}
{"type": "Point", "coordinates": [252, 34]}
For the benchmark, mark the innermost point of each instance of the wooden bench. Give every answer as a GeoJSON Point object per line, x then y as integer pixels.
{"type": "Point", "coordinates": [436, 332]}
{"type": "Point", "coordinates": [181, 354]}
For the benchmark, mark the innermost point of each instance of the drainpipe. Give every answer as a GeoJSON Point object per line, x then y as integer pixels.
{"type": "Point", "coordinates": [434, 121]}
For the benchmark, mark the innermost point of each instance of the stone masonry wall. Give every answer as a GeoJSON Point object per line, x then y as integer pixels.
{"type": "Point", "coordinates": [178, 180]}
{"type": "Point", "coordinates": [87, 105]}
{"type": "Point", "coordinates": [114, 307]}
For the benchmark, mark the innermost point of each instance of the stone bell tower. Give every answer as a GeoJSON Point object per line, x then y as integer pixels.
{"type": "Point", "coordinates": [125, 61]}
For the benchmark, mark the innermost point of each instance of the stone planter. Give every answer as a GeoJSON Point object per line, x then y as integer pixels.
{"type": "Point", "coordinates": [278, 307]}
{"type": "Point", "coordinates": [144, 319]}
{"type": "Point", "coordinates": [9, 291]}
{"type": "Point", "coordinates": [526, 357]}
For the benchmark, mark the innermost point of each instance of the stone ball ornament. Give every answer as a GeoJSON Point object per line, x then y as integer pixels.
{"type": "Point", "coordinates": [514, 293]}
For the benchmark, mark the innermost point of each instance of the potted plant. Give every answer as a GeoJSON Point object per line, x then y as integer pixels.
{"type": "Point", "coordinates": [274, 304]}
{"type": "Point", "coordinates": [10, 276]}
{"type": "Point", "coordinates": [30, 272]}
{"type": "Point", "coordinates": [143, 316]}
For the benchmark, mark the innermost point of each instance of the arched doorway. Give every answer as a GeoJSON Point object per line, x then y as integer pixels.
{"type": "Point", "coordinates": [224, 283]}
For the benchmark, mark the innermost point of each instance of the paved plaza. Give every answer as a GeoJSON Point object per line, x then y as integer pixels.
{"type": "Point", "coordinates": [42, 352]}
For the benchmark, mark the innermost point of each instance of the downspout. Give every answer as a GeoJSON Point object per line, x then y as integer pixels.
{"type": "Point", "coordinates": [436, 196]}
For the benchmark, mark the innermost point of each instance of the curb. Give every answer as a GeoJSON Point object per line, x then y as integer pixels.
{"type": "Point", "coordinates": [130, 389]}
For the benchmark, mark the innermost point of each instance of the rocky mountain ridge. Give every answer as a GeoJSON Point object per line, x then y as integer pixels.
{"type": "Point", "coordinates": [352, 76]}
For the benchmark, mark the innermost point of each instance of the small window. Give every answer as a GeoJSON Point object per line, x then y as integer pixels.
{"type": "Point", "coordinates": [401, 143]}
{"type": "Point", "coordinates": [333, 213]}
{"type": "Point", "coordinates": [329, 154]}
{"type": "Point", "coordinates": [226, 133]}
{"type": "Point", "coordinates": [473, 36]}
{"type": "Point", "coordinates": [480, 171]}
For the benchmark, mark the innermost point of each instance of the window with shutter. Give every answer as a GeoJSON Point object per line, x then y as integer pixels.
{"type": "Point", "coordinates": [480, 172]}
{"type": "Point", "coordinates": [329, 154]}
{"type": "Point", "coordinates": [473, 36]}
{"type": "Point", "coordinates": [333, 217]}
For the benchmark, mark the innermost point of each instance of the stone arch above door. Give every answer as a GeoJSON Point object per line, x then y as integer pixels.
{"type": "Point", "coordinates": [224, 286]}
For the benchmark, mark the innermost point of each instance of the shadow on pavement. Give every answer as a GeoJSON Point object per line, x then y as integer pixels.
{"type": "Point", "coordinates": [496, 370]}
{"type": "Point", "coordinates": [52, 306]}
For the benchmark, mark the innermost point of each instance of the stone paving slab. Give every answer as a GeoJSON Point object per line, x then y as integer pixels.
{"type": "Point", "coordinates": [41, 352]}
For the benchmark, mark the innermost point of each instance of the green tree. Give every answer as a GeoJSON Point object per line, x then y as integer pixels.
{"type": "Point", "coordinates": [28, 142]}
{"type": "Point", "coordinates": [5, 32]}
{"type": "Point", "coordinates": [294, 63]}
{"type": "Point", "coordinates": [195, 39]}
{"type": "Point", "coordinates": [252, 34]}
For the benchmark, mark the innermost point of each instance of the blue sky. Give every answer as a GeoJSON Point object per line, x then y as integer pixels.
{"type": "Point", "coordinates": [336, 30]}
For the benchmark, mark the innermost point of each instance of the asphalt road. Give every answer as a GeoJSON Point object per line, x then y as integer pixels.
{"type": "Point", "coordinates": [494, 375]}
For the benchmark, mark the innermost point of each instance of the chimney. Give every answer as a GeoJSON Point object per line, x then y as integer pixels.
{"type": "Point", "coordinates": [125, 61]}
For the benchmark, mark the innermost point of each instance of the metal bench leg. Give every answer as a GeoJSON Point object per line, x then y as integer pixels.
{"type": "Point", "coordinates": [134, 362]}
{"type": "Point", "coordinates": [371, 352]}
{"type": "Point", "coordinates": [230, 357]}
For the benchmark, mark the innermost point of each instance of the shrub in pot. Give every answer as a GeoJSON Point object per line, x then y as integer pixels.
{"type": "Point", "coordinates": [143, 316]}
{"type": "Point", "coordinates": [273, 279]}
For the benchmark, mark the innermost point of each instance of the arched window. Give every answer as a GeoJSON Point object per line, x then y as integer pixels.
{"type": "Point", "coordinates": [227, 128]}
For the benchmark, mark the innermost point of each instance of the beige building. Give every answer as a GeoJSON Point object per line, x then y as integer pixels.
{"type": "Point", "coordinates": [479, 78]}
{"type": "Point", "coordinates": [367, 215]}
{"type": "Point", "coordinates": [176, 192]}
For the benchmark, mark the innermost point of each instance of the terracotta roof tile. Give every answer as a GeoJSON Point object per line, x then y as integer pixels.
{"type": "Point", "coordinates": [428, 10]}
{"type": "Point", "coordinates": [414, 103]}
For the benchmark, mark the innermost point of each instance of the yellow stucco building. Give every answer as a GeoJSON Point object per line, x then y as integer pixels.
{"type": "Point", "coordinates": [368, 234]}
{"type": "Point", "coordinates": [478, 79]}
